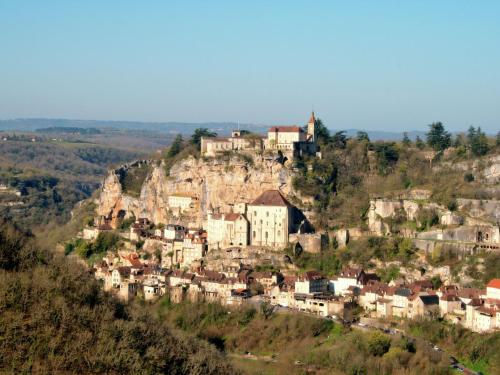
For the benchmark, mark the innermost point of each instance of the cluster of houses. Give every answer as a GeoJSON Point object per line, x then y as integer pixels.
{"type": "Point", "coordinates": [476, 309]}
{"type": "Point", "coordinates": [310, 292]}
{"type": "Point", "coordinates": [290, 140]}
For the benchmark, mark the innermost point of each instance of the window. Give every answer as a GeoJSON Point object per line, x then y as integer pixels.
{"type": "Point", "coordinates": [267, 235]}
{"type": "Point", "coordinates": [260, 222]}
{"type": "Point", "coordinates": [254, 235]}
{"type": "Point", "coordinates": [267, 213]}
{"type": "Point", "coordinates": [279, 233]}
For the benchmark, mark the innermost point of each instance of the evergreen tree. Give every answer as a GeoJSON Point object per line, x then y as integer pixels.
{"type": "Point", "coordinates": [437, 137]}
{"type": "Point", "coordinates": [322, 133]}
{"type": "Point", "coordinates": [406, 140]}
{"type": "Point", "coordinates": [477, 141]}
{"type": "Point", "coordinates": [199, 133]}
{"type": "Point", "coordinates": [339, 139]}
{"type": "Point", "coordinates": [176, 146]}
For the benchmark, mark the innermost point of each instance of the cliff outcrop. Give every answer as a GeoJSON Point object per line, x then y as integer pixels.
{"type": "Point", "coordinates": [213, 182]}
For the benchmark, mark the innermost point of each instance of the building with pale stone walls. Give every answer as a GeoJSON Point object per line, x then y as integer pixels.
{"type": "Point", "coordinates": [225, 230]}
{"type": "Point", "coordinates": [291, 140]}
{"type": "Point", "coordinates": [271, 220]}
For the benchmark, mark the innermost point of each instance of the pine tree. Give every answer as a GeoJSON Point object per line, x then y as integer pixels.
{"type": "Point", "coordinates": [437, 137]}
{"type": "Point", "coordinates": [176, 146]}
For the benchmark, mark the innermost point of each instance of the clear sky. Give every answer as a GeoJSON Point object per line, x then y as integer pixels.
{"type": "Point", "coordinates": [385, 65]}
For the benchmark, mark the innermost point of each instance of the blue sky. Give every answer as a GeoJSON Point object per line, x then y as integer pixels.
{"type": "Point", "coordinates": [384, 65]}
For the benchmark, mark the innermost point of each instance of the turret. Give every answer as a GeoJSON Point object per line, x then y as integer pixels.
{"type": "Point", "coordinates": [311, 128]}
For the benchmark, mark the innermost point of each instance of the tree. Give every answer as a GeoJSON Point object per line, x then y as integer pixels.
{"type": "Point", "coordinates": [199, 133]}
{"type": "Point", "coordinates": [387, 156]}
{"type": "Point", "coordinates": [176, 146]}
{"type": "Point", "coordinates": [362, 136]}
{"type": "Point", "coordinates": [267, 310]}
{"type": "Point", "coordinates": [477, 141]}
{"type": "Point", "coordinates": [379, 344]}
{"type": "Point", "coordinates": [339, 139]}
{"type": "Point", "coordinates": [437, 137]}
{"type": "Point", "coordinates": [406, 140]}
{"type": "Point", "coordinates": [322, 133]}
{"type": "Point", "coordinates": [498, 139]}
{"type": "Point", "coordinates": [419, 143]}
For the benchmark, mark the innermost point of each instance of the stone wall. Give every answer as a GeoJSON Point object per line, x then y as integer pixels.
{"type": "Point", "coordinates": [310, 242]}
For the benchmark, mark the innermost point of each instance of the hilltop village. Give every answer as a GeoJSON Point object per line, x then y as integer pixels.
{"type": "Point", "coordinates": [228, 225]}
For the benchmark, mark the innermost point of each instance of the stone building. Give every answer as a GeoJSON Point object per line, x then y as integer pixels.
{"type": "Point", "coordinates": [291, 140]}
{"type": "Point", "coordinates": [271, 220]}
{"type": "Point", "coordinates": [225, 230]}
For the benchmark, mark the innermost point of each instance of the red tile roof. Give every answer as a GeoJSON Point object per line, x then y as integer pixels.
{"type": "Point", "coordinates": [286, 129]}
{"type": "Point", "coordinates": [495, 283]}
{"type": "Point", "coordinates": [270, 198]}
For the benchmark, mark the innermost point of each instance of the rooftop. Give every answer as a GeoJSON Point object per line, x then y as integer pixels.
{"type": "Point", "coordinates": [270, 198]}
{"type": "Point", "coordinates": [286, 129]}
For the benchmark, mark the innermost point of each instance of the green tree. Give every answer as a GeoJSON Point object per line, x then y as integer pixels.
{"type": "Point", "coordinates": [322, 133]}
{"type": "Point", "coordinates": [477, 141]}
{"type": "Point", "coordinates": [176, 146]}
{"type": "Point", "coordinates": [199, 133]}
{"type": "Point", "coordinates": [378, 344]}
{"type": "Point", "coordinates": [437, 137]}
{"type": "Point", "coordinates": [406, 140]}
{"type": "Point", "coordinates": [339, 139]}
{"type": "Point", "coordinates": [498, 139]}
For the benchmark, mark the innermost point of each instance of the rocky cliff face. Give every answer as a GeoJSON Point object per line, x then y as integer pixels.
{"type": "Point", "coordinates": [214, 182]}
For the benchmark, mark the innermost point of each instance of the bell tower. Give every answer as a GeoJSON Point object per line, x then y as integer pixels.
{"type": "Point", "coordinates": [311, 128]}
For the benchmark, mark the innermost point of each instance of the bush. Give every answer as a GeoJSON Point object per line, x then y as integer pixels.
{"type": "Point", "coordinates": [378, 344]}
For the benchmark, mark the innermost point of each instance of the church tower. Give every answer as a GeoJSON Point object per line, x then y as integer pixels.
{"type": "Point", "coordinates": [311, 128]}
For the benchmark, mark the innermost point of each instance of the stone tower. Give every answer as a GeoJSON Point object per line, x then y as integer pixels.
{"type": "Point", "coordinates": [311, 128]}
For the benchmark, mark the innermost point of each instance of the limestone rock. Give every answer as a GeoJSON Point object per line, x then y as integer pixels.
{"type": "Point", "coordinates": [214, 182]}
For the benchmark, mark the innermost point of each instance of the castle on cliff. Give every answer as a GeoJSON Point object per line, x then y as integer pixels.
{"type": "Point", "coordinates": [290, 140]}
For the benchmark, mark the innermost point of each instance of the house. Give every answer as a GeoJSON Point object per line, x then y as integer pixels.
{"type": "Point", "coordinates": [423, 305]}
{"type": "Point", "coordinates": [493, 290]}
{"type": "Point", "coordinates": [291, 140]}
{"type": "Point", "coordinates": [240, 140]}
{"type": "Point", "coordinates": [350, 277]}
{"type": "Point", "coordinates": [179, 277]}
{"type": "Point", "coordinates": [267, 278]}
{"type": "Point", "coordinates": [127, 290]}
{"type": "Point", "coordinates": [119, 275]}
{"type": "Point", "coordinates": [182, 202]}
{"type": "Point", "coordinates": [174, 232]}
{"type": "Point", "coordinates": [225, 230]}
{"type": "Point", "coordinates": [371, 292]}
{"type": "Point", "coordinates": [194, 248]}
{"type": "Point", "coordinates": [400, 302]}
{"type": "Point", "coordinates": [449, 303]}
{"type": "Point", "coordinates": [270, 217]}
{"type": "Point", "coordinates": [311, 282]}
{"type": "Point", "coordinates": [151, 289]}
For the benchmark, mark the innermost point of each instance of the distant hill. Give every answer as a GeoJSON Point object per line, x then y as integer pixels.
{"type": "Point", "coordinates": [70, 130]}
{"type": "Point", "coordinates": [184, 128]}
